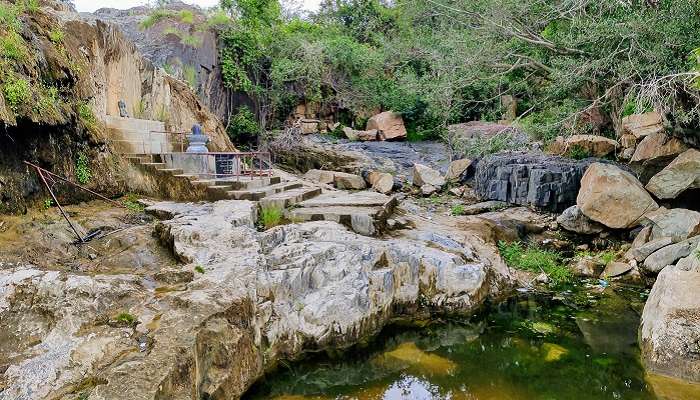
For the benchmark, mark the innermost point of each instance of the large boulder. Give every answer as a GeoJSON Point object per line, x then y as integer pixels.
{"type": "Point", "coordinates": [681, 174]}
{"type": "Point", "coordinates": [320, 176]}
{"type": "Point", "coordinates": [364, 136]}
{"type": "Point", "coordinates": [640, 253]}
{"type": "Point", "coordinates": [594, 145]}
{"type": "Point", "coordinates": [544, 181]}
{"type": "Point", "coordinates": [613, 197]}
{"type": "Point", "coordinates": [670, 329]}
{"type": "Point", "coordinates": [382, 182]}
{"type": "Point", "coordinates": [309, 126]}
{"type": "Point", "coordinates": [657, 148]}
{"type": "Point", "coordinates": [676, 223]}
{"type": "Point", "coordinates": [424, 175]}
{"type": "Point", "coordinates": [344, 180]}
{"type": "Point", "coordinates": [457, 170]}
{"type": "Point", "coordinates": [572, 219]}
{"type": "Point", "coordinates": [668, 255]}
{"type": "Point", "coordinates": [642, 125]}
{"type": "Point", "coordinates": [388, 124]}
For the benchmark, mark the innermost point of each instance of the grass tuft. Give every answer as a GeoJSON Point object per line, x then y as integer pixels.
{"type": "Point", "coordinates": [457, 209]}
{"type": "Point", "coordinates": [199, 269]}
{"type": "Point", "coordinates": [535, 260]}
{"type": "Point", "coordinates": [271, 216]}
{"type": "Point", "coordinates": [125, 319]}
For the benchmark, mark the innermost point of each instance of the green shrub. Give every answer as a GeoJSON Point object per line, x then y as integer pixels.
{"type": "Point", "coordinates": [56, 35]}
{"type": "Point", "coordinates": [132, 204]}
{"type": "Point", "coordinates": [169, 69]}
{"type": "Point", "coordinates": [82, 169]}
{"type": "Point", "coordinates": [9, 17]}
{"type": "Point", "coordinates": [534, 260]}
{"type": "Point", "coordinates": [48, 203]}
{"type": "Point", "coordinates": [199, 269]}
{"type": "Point", "coordinates": [242, 126]}
{"type": "Point", "coordinates": [218, 18]}
{"type": "Point", "coordinates": [271, 216]}
{"type": "Point", "coordinates": [578, 152]}
{"type": "Point", "coordinates": [86, 116]}
{"type": "Point", "coordinates": [190, 74]}
{"type": "Point", "coordinates": [48, 101]}
{"type": "Point", "coordinates": [458, 209]}
{"type": "Point", "coordinates": [17, 93]}
{"type": "Point", "coordinates": [186, 17]}
{"type": "Point", "coordinates": [125, 319]}
{"type": "Point", "coordinates": [31, 6]}
{"type": "Point", "coordinates": [139, 109]}
{"type": "Point", "coordinates": [156, 16]}
{"type": "Point", "coordinates": [13, 46]}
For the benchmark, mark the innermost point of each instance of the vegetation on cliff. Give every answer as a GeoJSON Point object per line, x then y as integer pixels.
{"type": "Point", "coordinates": [573, 65]}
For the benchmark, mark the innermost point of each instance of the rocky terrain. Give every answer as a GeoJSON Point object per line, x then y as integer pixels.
{"type": "Point", "coordinates": [231, 303]}
{"type": "Point", "coordinates": [185, 300]}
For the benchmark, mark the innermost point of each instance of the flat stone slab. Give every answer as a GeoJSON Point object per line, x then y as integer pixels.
{"type": "Point", "coordinates": [289, 197]}
{"type": "Point", "coordinates": [363, 220]}
{"type": "Point", "coordinates": [345, 199]}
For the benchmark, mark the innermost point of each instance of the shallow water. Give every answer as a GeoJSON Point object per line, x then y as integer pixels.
{"type": "Point", "coordinates": [578, 344]}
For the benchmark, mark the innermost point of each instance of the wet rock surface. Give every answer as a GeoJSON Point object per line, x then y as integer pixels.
{"type": "Point", "coordinates": [394, 157]}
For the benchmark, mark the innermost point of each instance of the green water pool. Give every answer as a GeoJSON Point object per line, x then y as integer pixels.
{"type": "Point", "coordinates": [574, 344]}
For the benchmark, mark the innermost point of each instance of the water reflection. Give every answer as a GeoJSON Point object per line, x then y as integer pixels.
{"type": "Point", "coordinates": [575, 345]}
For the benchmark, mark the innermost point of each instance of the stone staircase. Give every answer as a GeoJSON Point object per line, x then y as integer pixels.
{"type": "Point", "coordinates": [365, 212]}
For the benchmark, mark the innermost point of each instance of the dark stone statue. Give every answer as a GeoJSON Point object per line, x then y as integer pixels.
{"type": "Point", "coordinates": [122, 109]}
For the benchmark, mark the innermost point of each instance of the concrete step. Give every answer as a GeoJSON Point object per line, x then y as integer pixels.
{"type": "Point", "coordinates": [289, 198]}
{"type": "Point", "coordinates": [259, 193]}
{"type": "Point", "coordinates": [363, 220]}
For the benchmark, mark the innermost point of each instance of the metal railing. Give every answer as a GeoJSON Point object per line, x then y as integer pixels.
{"type": "Point", "coordinates": [240, 164]}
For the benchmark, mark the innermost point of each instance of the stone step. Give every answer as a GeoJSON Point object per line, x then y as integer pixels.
{"type": "Point", "coordinates": [186, 176]}
{"type": "Point", "coordinates": [242, 183]}
{"type": "Point", "coordinates": [290, 197]}
{"type": "Point", "coordinates": [355, 199]}
{"type": "Point", "coordinates": [156, 165]}
{"type": "Point", "coordinates": [259, 193]}
{"type": "Point", "coordinates": [363, 220]}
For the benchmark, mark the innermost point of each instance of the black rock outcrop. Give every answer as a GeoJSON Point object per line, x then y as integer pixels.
{"type": "Point", "coordinates": [544, 181]}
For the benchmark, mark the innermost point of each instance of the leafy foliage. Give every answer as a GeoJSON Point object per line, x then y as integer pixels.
{"type": "Point", "coordinates": [17, 92]}
{"type": "Point", "coordinates": [82, 169]}
{"type": "Point", "coordinates": [243, 127]}
{"type": "Point", "coordinates": [573, 66]}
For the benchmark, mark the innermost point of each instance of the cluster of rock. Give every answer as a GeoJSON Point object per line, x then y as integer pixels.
{"type": "Point", "coordinates": [588, 145]}
{"type": "Point", "coordinates": [382, 182]}
{"type": "Point", "coordinates": [431, 181]}
{"type": "Point", "coordinates": [387, 125]}
{"type": "Point", "coordinates": [667, 243]}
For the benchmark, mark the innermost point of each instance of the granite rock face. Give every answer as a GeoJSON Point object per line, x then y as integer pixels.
{"type": "Point", "coordinates": [544, 181]}
{"type": "Point", "coordinates": [613, 197]}
{"type": "Point", "coordinates": [670, 330]}
{"type": "Point", "coordinates": [239, 301]}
